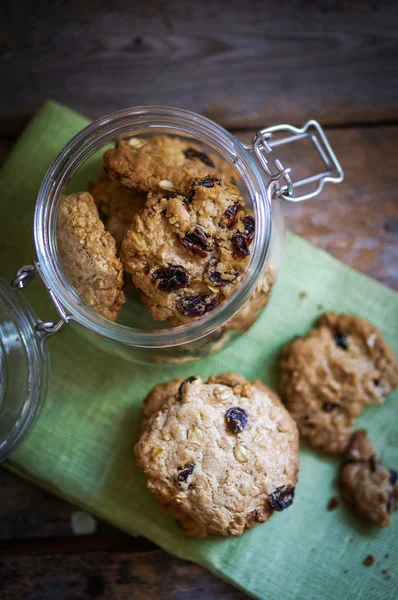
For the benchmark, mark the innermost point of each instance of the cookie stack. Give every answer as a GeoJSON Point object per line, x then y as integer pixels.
{"type": "Point", "coordinates": [168, 216]}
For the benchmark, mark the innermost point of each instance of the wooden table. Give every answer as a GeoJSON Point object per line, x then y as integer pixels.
{"type": "Point", "coordinates": [245, 65]}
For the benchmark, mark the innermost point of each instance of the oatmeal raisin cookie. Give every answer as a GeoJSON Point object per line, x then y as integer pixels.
{"type": "Point", "coordinates": [220, 454]}
{"type": "Point", "coordinates": [331, 374]}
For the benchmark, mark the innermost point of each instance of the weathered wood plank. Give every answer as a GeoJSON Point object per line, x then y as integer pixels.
{"type": "Point", "coordinates": [109, 576]}
{"type": "Point", "coordinates": [112, 540]}
{"type": "Point", "coordinates": [27, 512]}
{"type": "Point", "coordinates": [244, 64]}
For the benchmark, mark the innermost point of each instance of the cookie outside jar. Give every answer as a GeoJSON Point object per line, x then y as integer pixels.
{"type": "Point", "coordinates": [262, 180]}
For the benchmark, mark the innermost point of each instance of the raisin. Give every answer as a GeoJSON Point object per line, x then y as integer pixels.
{"type": "Point", "coordinates": [230, 216]}
{"type": "Point", "coordinates": [195, 306]}
{"type": "Point", "coordinates": [307, 421]}
{"type": "Point", "coordinates": [329, 406]}
{"type": "Point", "coordinates": [333, 503]}
{"type": "Point", "coordinates": [374, 463]}
{"type": "Point", "coordinates": [208, 182]}
{"type": "Point", "coordinates": [191, 154]}
{"type": "Point", "coordinates": [216, 277]}
{"type": "Point", "coordinates": [240, 245]}
{"type": "Point", "coordinates": [376, 382]}
{"type": "Point", "coordinates": [183, 384]}
{"type": "Point", "coordinates": [197, 242]}
{"type": "Point", "coordinates": [184, 473]}
{"type": "Point", "coordinates": [341, 340]}
{"type": "Point", "coordinates": [281, 498]}
{"type": "Point", "coordinates": [236, 419]}
{"type": "Point", "coordinates": [391, 502]}
{"type": "Point", "coordinates": [249, 225]}
{"type": "Point", "coordinates": [170, 195]}
{"type": "Point", "coordinates": [393, 477]}
{"type": "Point", "coordinates": [171, 278]}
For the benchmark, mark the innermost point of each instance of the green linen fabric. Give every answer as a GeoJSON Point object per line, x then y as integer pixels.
{"type": "Point", "coordinates": [81, 447]}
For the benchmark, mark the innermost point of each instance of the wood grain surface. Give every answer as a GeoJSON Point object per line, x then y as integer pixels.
{"type": "Point", "coordinates": [245, 64]}
{"type": "Point", "coordinates": [116, 576]}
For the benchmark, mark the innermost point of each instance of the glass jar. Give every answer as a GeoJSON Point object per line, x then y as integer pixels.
{"type": "Point", "coordinates": [262, 183]}
{"type": "Point", "coordinates": [23, 369]}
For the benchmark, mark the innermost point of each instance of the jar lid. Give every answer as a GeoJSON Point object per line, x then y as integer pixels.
{"type": "Point", "coordinates": [23, 369]}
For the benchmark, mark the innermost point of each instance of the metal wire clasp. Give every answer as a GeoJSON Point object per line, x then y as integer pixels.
{"type": "Point", "coordinates": [283, 186]}
{"type": "Point", "coordinates": [46, 329]}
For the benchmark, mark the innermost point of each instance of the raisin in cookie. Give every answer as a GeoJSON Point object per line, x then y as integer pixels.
{"type": "Point", "coordinates": [88, 255]}
{"type": "Point", "coordinates": [220, 454]}
{"type": "Point", "coordinates": [161, 163]}
{"type": "Point", "coordinates": [116, 205]}
{"type": "Point", "coordinates": [187, 254]}
{"type": "Point", "coordinates": [367, 486]}
{"type": "Point", "coordinates": [330, 375]}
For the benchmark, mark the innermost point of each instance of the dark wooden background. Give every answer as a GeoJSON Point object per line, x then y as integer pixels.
{"type": "Point", "coordinates": [245, 64]}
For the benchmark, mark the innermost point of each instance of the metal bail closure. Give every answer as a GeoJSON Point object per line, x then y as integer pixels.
{"type": "Point", "coordinates": [46, 329]}
{"type": "Point", "coordinates": [281, 183]}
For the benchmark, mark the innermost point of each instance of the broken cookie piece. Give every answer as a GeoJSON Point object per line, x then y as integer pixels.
{"type": "Point", "coordinates": [161, 163]}
{"type": "Point", "coordinates": [328, 376]}
{"type": "Point", "coordinates": [367, 486]}
{"type": "Point", "coordinates": [88, 255]}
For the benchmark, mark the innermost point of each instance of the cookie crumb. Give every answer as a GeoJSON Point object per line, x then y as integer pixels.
{"type": "Point", "coordinates": [313, 549]}
{"type": "Point", "coordinates": [82, 523]}
{"type": "Point", "coordinates": [387, 555]}
{"type": "Point", "coordinates": [368, 561]}
{"type": "Point", "coordinates": [320, 307]}
{"type": "Point", "coordinates": [345, 571]}
{"type": "Point", "coordinates": [385, 571]}
{"type": "Point", "coordinates": [303, 294]}
{"type": "Point", "coordinates": [333, 503]}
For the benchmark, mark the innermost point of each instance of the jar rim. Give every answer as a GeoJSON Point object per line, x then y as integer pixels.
{"type": "Point", "coordinates": [90, 140]}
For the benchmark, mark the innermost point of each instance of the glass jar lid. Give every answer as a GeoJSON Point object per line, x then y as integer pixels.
{"type": "Point", "coordinates": [23, 369]}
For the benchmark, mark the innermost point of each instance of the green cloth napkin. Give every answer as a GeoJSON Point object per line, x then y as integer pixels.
{"type": "Point", "coordinates": [82, 445]}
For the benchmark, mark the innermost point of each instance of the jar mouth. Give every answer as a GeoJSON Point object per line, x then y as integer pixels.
{"type": "Point", "coordinates": [94, 137]}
